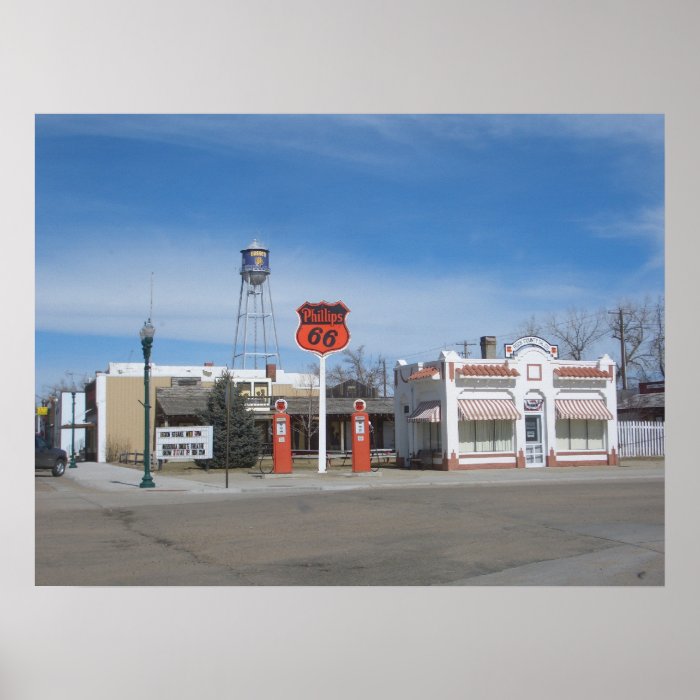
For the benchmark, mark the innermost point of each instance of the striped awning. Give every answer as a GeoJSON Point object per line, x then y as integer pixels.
{"type": "Point", "coordinates": [427, 412]}
{"type": "Point", "coordinates": [487, 409]}
{"type": "Point", "coordinates": [582, 409]}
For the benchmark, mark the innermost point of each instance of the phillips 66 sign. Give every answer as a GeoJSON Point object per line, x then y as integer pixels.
{"type": "Point", "coordinates": [322, 328]}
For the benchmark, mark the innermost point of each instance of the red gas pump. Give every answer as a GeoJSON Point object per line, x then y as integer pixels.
{"type": "Point", "coordinates": [281, 440]}
{"type": "Point", "coordinates": [361, 456]}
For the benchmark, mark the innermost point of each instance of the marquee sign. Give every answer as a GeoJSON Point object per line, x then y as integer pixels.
{"type": "Point", "coordinates": [184, 443]}
{"type": "Point", "coordinates": [322, 328]}
{"type": "Point", "coordinates": [512, 348]}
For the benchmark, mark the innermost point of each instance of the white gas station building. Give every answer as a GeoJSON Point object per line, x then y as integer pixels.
{"type": "Point", "coordinates": [529, 409]}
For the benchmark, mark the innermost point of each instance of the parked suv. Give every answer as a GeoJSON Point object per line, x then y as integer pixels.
{"type": "Point", "coordinates": [46, 457]}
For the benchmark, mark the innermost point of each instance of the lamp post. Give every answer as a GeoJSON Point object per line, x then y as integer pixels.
{"type": "Point", "coordinates": [146, 334]}
{"type": "Point", "coordinates": [72, 464]}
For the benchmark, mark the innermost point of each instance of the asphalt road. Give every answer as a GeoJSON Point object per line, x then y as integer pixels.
{"type": "Point", "coordinates": [535, 533]}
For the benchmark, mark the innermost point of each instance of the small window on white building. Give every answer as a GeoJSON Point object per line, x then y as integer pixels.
{"type": "Point", "coordinates": [534, 373]}
{"type": "Point", "coordinates": [580, 434]}
{"type": "Point", "coordinates": [486, 436]}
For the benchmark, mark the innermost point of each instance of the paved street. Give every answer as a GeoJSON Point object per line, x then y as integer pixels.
{"type": "Point", "coordinates": [549, 527]}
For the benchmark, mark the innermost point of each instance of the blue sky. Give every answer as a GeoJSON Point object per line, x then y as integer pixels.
{"type": "Point", "coordinates": [432, 229]}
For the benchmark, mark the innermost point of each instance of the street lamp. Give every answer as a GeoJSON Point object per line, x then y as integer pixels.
{"type": "Point", "coordinates": [72, 464]}
{"type": "Point", "coordinates": [146, 334]}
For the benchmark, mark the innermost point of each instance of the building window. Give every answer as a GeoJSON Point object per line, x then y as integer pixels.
{"type": "Point", "coordinates": [534, 373]}
{"type": "Point", "coordinates": [486, 436]}
{"type": "Point", "coordinates": [580, 434]}
{"type": "Point", "coordinates": [431, 436]}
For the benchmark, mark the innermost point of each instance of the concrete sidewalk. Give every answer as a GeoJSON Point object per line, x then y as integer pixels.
{"type": "Point", "coordinates": [114, 478]}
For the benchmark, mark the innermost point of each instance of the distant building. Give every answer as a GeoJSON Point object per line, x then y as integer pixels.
{"type": "Point", "coordinates": [338, 412]}
{"type": "Point", "coordinates": [63, 433]}
{"type": "Point", "coordinates": [647, 405]}
{"type": "Point", "coordinates": [352, 389]}
{"type": "Point", "coordinates": [114, 406]}
{"type": "Point", "coordinates": [179, 405]}
{"type": "Point", "coordinates": [114, 400]}
{"type": "Point", "coordinates": [530, 409]}
{"type": "Point", "coordinates": [55, 423]}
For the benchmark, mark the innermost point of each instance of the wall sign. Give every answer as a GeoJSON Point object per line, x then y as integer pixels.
{"type": "Point", "coordinates": [511, 349]}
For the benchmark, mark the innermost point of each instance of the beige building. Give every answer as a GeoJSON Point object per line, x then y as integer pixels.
{"type": "Point", "coordinates": [114, 399]}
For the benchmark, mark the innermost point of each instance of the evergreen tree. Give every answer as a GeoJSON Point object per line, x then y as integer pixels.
{"type": "Point", "coordinates": [244, 437]}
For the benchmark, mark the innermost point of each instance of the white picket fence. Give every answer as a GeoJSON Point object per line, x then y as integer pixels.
{"type": "Point", "coordinates": [640, 438]}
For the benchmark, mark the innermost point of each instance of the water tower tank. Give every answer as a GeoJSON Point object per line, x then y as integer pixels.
{"type": "Point", "coordinates": [255, 266]}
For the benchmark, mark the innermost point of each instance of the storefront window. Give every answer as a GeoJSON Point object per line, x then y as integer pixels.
{"type": "Point", "coordinates": [596, 435]}
{"type": "Point", "coordinates": [486, 436]}
{"type": "Point", "coordinates": [431, 436]}
{"type": "Point", "coordinates": [580, 434]}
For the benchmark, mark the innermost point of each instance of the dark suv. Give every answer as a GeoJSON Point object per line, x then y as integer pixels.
{"type": "Point", "coordinates": [46, 457]}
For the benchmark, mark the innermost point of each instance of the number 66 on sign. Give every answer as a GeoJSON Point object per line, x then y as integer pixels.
{"type": "Point", "coordinates": [322, 328]}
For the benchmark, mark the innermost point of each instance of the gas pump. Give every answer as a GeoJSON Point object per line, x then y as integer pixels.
{"type": "Point", "coordinates": [281, 439]}
{"type": "Point", "coordinates": [361, 455]}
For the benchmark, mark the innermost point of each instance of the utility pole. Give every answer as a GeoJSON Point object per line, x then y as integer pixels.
{"type": "Point", "coordinates": [466, 345]}
{"type": "Point", "coordinates": [623, 350]}
{"type": "Point", "coordinates": [384, 366]}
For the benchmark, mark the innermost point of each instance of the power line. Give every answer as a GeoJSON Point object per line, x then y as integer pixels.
{"type": "Point", "coordinates": [474, 341]}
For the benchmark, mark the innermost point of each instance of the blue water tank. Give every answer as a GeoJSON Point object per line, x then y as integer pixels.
{"type": "Point", "coordinates": [255, 265]}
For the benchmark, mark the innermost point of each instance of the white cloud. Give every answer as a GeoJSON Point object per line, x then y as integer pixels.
{"type": "Point", "coordinates": [196, 292]}
{"type": "Point", "coordinates": [648, 223]}
{"type": "Point", "coordinates": [306, 134]}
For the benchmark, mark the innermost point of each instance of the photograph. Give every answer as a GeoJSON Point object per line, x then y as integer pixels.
{"type": "Point", "coordinates": [464, 315]}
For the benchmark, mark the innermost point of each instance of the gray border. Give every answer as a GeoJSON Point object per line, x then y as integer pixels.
{"type": "Point", "coordinates": [314, 56]}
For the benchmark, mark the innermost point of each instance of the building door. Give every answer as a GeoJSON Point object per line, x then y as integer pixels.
{"type": "Point", "coordinates": [534, 448]}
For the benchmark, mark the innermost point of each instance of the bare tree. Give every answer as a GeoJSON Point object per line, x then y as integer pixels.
{"type": "Point", "coordinates": [657, 345]}
{"type": "Point", "coordinates": [357, 365]}
{"type": "Point", "coordinates": [576, 331]}
{"type": "Point", "coordinates": [307, 422]}
{"type": "Point", "coordinates": [71, 383]}
{"type": "Point", "coordinates": [644, 329]}
{"type": "Point", "coordinates": [532, 326]}
{"type": "Point", "coordinates": [642, 323]}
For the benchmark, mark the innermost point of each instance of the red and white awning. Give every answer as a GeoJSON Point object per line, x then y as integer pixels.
{"type": "Point", "coordinates": [582, 409]}
{"type": "Point", "coordinates": [487, 409]}
{"type": "Point", "coordinates": [426, 412]}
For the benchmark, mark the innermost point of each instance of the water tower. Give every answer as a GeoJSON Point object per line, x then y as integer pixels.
{"type": "Point", "coordinates": [256, 335]}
